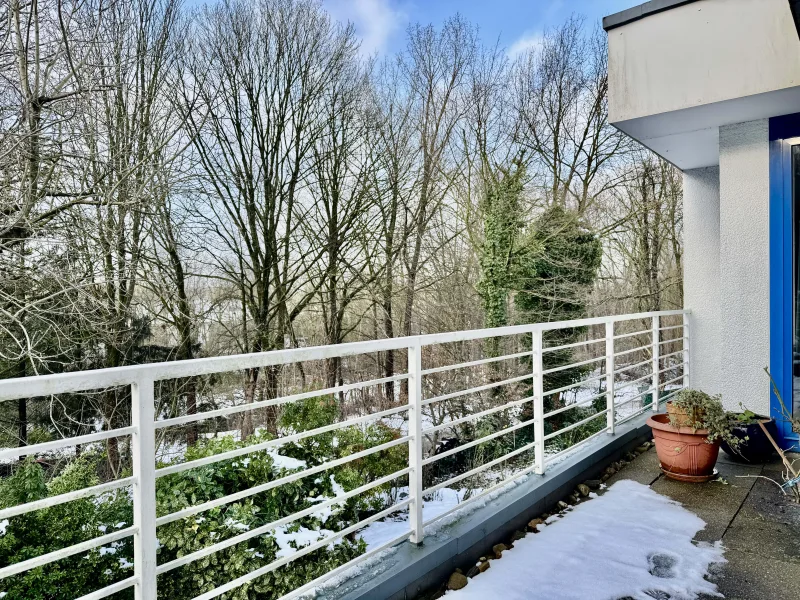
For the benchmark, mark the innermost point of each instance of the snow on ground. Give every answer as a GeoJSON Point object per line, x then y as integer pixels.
{"type": "Point", "coordinates": [380, 532]}
{"type": "Point", "coordinates": [626, 543]}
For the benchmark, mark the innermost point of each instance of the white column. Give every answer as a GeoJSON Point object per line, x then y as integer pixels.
{"type": "Point", "coordinates": [538, 401]}
{"type": "Point", "coordinates": [610, 424]}
{"type": "Point", "coordinates": [701, 276]}
{"type": "Point", "coordinates": [744, 267]}
{"type": "Point", "coordinates": [656, 362]}
{"type": "Point", "coordinates": [143, 448]}
{"type": "Point", "coordinates": [415, 443]}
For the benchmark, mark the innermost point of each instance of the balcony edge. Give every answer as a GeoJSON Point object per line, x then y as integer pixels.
{"type": "Point", "coordinates": [412, 571]}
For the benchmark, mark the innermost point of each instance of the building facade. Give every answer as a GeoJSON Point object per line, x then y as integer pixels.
{"type": "Point", "coordinates": [713, 86]}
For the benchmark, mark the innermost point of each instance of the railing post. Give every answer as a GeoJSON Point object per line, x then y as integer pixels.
{"type": "Point", "coordinates": [656, 360]}
{"type": "Point", "coordinates": [538, 401]}
{"type": "Point", "coordinates": [415, 443]}
{"type": "Point", "coordinates": [143, 448]}
{"type": "Point", "coordinates": [610, 377]}
{"type": "Point", "coordinates": [687, 357]}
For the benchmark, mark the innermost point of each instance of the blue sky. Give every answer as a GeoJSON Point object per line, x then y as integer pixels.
{"type": "Point", "coordinates": [517, 23]}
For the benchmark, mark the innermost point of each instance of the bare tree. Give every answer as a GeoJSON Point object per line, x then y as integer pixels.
{"type": "Point", "coordinates": [397, 156]}
{"type": "Point", "coordinates": [646, 234]}
{"type": "Point", "coordinates": [436, 68]}
{"type": "Point", "coordinates": [561, 92]}
{"type": "Point", "coordinates": [344, 215]}
{"type": "Point", "coordinates": [44, 78]}
{"type": "Point", "coordinates": [126, 132]}
{"type": "Point", "coordinates": [256, 82]}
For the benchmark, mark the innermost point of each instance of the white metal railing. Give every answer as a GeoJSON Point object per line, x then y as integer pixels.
{"type": "Point", "coordinates": [659, 371]}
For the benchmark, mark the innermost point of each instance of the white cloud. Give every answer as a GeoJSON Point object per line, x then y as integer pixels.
{"type": "Point", "coordinates": [376, 21]}
{"type": "Point", "coordinates": [530, 40]}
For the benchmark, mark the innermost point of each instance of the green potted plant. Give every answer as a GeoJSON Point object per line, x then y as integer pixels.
{"type": "Point", "coordinates": [688, 437]}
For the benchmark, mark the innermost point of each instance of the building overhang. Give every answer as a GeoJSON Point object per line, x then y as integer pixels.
{"type": "Point", "coordinates": [681, 69]}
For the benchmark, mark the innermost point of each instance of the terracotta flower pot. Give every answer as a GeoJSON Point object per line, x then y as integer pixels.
{"type": "Point", "coordinates": [681, 417]}
{"type": "Point", "coordinates": [684, 453]}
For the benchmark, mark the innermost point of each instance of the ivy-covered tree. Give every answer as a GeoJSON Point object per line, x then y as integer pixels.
{"type": "Point", "coordinates": [502, 225]}
{"type": "Point", "coordinates": [554, 285]}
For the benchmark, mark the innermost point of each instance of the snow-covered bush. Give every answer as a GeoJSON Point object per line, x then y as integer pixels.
{"type": "Point", "coordinates": [39, 532]}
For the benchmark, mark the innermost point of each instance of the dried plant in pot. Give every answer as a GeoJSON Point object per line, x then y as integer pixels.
{"type": "Point", "coordinates": [688, 437]}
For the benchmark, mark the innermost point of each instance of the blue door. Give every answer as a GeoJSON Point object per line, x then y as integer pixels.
{"type": "Point", "coordinates": [784, 219]}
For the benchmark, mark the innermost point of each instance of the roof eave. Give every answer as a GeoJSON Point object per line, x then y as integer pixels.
{"type": "Point", "coordinates": [646, 10]}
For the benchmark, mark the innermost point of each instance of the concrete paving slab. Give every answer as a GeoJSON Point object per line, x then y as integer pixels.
{"type": "Point", "coordinates": [764, 538]}
{"type": "Point", "coordinates": [644, 469]}
{"type": "Point", "coordinates": [748, 576]}
{"type": "Point", "coordinates": [767, 502]}
{"type": "Point", "coordinates": [715, 502]}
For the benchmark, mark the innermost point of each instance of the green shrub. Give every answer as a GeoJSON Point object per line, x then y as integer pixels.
{"type": "Point", "coordinates": [44, 531]}
{"type": "Point", "coordinates": [33, 534]}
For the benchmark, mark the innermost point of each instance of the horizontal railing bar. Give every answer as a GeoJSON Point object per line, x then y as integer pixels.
{"type": "Point", "coordinates": [475, 363]}
{"type": "Point", "coordinates": [230, 410]}
{"type": "Point", "coordinates": [552, 457]}
{"type": "Point", "coordinates": [111, 589]}
{"type": "Point", "coordinates": [673, 367]}
{"type": "Point", "coordinates": [631, 367]}
{"type": "Point", "coordinates": [636, 397]}
{"type": "Point", "coordinates": [78, 381]}
{"type": "Point", "coordinates": [642, 410]}
{"type": "Point", "coordinates": [481, 440]}
{"type": "Point", "coordinates": [572, 345]}
{"type": "Point", "coordinates": [573, 385]}
{"type": "Point", "coordinates": [480, 388]}
{"type": "Point", "coordinates": [573, 365]}
{"type": "Point", "coordinates": [462, 336]}
{"type": "Point", "coordinates": [635, 333]}
{"type": "Point", "coordinates": [668, 396]}
{"type": "Point", "coordinates": [624, 384]}
{"type": "Point", "coordinates": [65, 442]}
{"type": "Point", "coordinates": [348, 565]}
{"type": "Point", "coordinates": [632, 350]}
{"type": "Point", "coordinates": [679, 378]}
{"type": "Point", "coordinates": [264, 529]}
{"type": "Point", "coordinates": [231, 585]}
{"type": "Point", "coordinates": [681, 326]}
{"type": "Point", "coordinates": [483, 493]}
{"type": "Point", "coordinates": [476, 470]}
{"type": "Point", "coordinates": [550, 436]}
{"type": "Point", "coordinates": [32, 563]}
{"type": "Point", "coordinates": [95, 490]}
{"type": "Point", "coordinates": [478, 415]}
{"type": "Point", "coordinates": [558, 411]}
{"type": "Point", "coordinates": [674, 340]}
{"type": "Point", "coordinates": [672, 354]}
{"type": "Point", "coordinates": [193, 510]}
{"type": "Point", "coordinates": [208, 460]}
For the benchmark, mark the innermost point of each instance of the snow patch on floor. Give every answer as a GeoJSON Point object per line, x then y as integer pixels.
{"type": "Point", "coordinates": [626, 543]}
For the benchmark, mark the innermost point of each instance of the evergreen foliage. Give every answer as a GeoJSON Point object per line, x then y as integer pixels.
{"type": "Point", "coordinates": [502, 223]}
{"type": "Point", "coordinates": [39, 532]}
{"type": "Point", "coordinates": [553, 284]}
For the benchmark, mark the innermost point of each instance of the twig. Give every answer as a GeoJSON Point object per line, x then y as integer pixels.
{"type": "Point", "coordinates": [778, 450]}
{"type": "Point", "coordinates": [783, 491]}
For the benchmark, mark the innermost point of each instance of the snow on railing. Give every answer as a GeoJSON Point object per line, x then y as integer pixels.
{"type": "Point", "coordinates": [659, 382]}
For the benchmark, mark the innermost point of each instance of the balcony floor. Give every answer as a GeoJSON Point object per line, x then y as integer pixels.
{"type": "Point", "coordinates": [758, 526]}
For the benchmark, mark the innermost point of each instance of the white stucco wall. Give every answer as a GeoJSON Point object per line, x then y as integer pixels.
{"type": "Point", "coordinates": [701, 276]}
{"type": "Point", "coordinates": [701, 53]}
{"type": "Point", "coordinates": [744, 264]}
